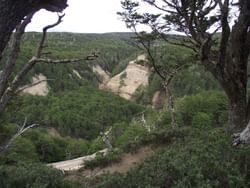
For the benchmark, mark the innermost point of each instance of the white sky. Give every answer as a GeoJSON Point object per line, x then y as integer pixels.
{"type": "Point", "coordinates": [84, 16]}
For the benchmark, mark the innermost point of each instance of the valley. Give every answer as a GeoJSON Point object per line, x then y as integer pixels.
{"type": "Point", "coordinates": [118, 99]}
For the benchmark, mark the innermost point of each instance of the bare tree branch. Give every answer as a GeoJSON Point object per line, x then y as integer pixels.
{"type": "Point", "coordinates": [8, 91]}
{"type": "Point", "coordinates": [45, 29]}
{"type": "Point", "coordinates": [20, 131]}
{"type": "Point", "coordinates": [225, 31]}
{"type": "Point", "coordinates": [14, 51]}
{"type": "Point", "coordinates": [31, 85]}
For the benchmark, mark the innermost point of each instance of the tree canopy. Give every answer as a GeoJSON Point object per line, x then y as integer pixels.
{"type": "Point", "coordinates": [221, 49]}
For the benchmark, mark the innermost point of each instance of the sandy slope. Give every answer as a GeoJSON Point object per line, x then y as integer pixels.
{"type": "Point", "coordinates": [128, 161]}
{"type": "Point", "coordinates": [40, 89]}
{"type": "Point", "coordinates": [127, 82]}
{"type": "Point", "coordinates": [103, 74]}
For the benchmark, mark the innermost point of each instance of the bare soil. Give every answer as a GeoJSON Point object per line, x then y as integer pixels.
{"type": "Point", "coordinates": [128, 161]}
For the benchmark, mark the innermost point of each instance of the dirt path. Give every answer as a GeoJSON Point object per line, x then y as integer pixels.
{"type": "Point", "coordinates": [128, 161]}
{"type": "Point", "coordinates": [75, 164]}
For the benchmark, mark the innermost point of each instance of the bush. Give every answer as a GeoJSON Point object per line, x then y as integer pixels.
{"type": "Point", "coordinates": [76, 148]}
{"type": "Point", "coordinates": [21, 150]}
{"type": "Point", "coordinates": [131, 136]}
{"type": "Point", "coordinates": [103, 161]}
{"type": "Point", "coordinates": [96, 145]}
{"type": "Point", "coordinates": [38, 145]}
{"type": "Point", "coordinates": [213, 103]}
{"type": "Point", "coordinates": [29, 176]}
{"type": "Point", "coordinates": [202, 120]}
{"type": "Point", "coordinates": [81, 113]}
{"type": "Point", "coordinates": [205, 159]}
{"type": "Point", "coordinates": [165, 120]}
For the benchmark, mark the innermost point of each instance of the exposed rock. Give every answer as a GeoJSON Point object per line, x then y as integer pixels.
{"type": "Point", "coordinates": [77, 74]}
{"type": "Point", "coordinates": [53, 132]}
{"type": "Point", "coordinates": [40, 89]}
{"type": "Point", "coordinates": [126, 83]}
{"type": "Point", "coordinates": [159, 99]}
{"type": "Point", "coordinates": [103, 74]}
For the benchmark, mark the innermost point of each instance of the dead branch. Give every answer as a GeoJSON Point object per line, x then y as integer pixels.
{"type": "Point", "coordinates": [105, 138]}
{"type": "Point", "coordinates": [41, 45]}
{"type": "Point", "coordinates": [242, 137]}
{"type": "Point", "coordinates": [7, 92]}
{"type": "Point", "coordinates": [20, 131]}
{"type": "Point", "coordinates": [31, 85]}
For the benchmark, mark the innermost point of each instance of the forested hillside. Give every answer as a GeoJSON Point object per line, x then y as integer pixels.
{"type": "Point", "coordinates": [114, 50]}
{"type": "Point", "coordinates": [74, 115]}
{"type": "Point", "coordinates": [161, 108]}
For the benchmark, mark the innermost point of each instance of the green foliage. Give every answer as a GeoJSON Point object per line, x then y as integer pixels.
{"type": "Point", "coordinates": [203, 159]}
{"type": "Point", "coordinates": [112, 49]}
{"type": "Point", "coordinates": [96, 145]}
{"type": "Point", "coordinates": [167, 135]}
{"type": "Point", "coordinates": [22, 149]}
{"type": "Point", "coordinates": [49, 148]}
{"type": "Point", "coordinates": [201, 119]}
{"type": "Point", "coordinates": [131, 136]}
{"type": "Point", "coordinates": [191, 79]}
{"type": "Point", "coordinates": [39, 145]}
{"type": "Point", "coordinates": [76, 148]}
{"type": "Point", "coordinates": [32, 175]}
{"type": "Point", "coordinates": [82, 113]}
{"type": "Point", "coordinates": [199, 157]}
{"type": "Point", "coordinates": [7, 130]}
{"type": "Point", "coordinates": [102, 161]}
{"type": "Point", "coordinates": [165, 119]}
{"type": "Point", "coordinates": [214, 104]}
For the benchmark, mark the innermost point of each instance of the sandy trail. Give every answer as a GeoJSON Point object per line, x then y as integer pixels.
{"type": "Point", "coordinates": [75, 164]}
{"type": "Point", "coordinates": [128, 161]}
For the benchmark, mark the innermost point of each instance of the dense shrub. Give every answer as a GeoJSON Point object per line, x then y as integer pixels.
{"type": "Point", "coordinates": [202, 120]}
{"type": "Point", "coordinates": [96, 145]}
{"type": "Point", "coordinates": [38, 145]}
{"type": "Point", "coordinates": [204, 159]}
{"type": "Point", "coordinates": [22, 149]}
{"type": "Point", "coordinates": [132, 135]}
{"type": "Point", "coordinates": [29, 176]}
{"type": "Point", "coordinates": [76, 148]}
{"type": "Point", "coordinates": [81, 113]}
{"type": "Point", "coordinates": [164, 120]}
{"type": "Point", "coordinates": [213, 103]}
{"type": "Point", "coordinates": [103, 161]}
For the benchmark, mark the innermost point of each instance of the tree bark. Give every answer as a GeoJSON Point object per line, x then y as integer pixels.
{"type": "Point", "coordinates": [242, 137]}
{"type": "Point", "coordinates": [235, 89]}
{"type": "Point", "coordinates": [238, 114]}
{"type": "Point", "coordinates": [170, 104]}
{"type": "Point", "coordinates": [13, 12]}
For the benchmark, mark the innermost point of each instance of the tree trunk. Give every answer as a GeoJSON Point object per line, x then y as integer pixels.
{"type": "Point", "coordinates": [170, 104]}
{"type": "Point", "coordinates": [238, 114]}
{"type": "Point", "coordinates": [234, 84]}
{"type": "Point", "coordinates": [11, 14]}
{"type": "Point", "coordinates": [235, 89]}
{"type": "Point", "coordinates": [13, 11]}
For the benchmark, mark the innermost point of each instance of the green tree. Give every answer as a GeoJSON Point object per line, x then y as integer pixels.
{"type": "Point", "coordinates": [226, 56]}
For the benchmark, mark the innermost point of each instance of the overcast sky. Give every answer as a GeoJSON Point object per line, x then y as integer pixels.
{"type": "Point", "coordinates": [84, 16]}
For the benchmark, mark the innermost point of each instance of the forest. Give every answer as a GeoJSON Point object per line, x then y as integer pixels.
{"type": "Point", "coordinates": [186, 127]}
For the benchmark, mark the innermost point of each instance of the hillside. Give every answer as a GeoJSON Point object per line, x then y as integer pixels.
{"type": "Point", "coordinates": [129, 80]}
{"type": "Point", "coordinates": [114, 49]}
{"type": "Point", "coordinates": [79, 107]}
